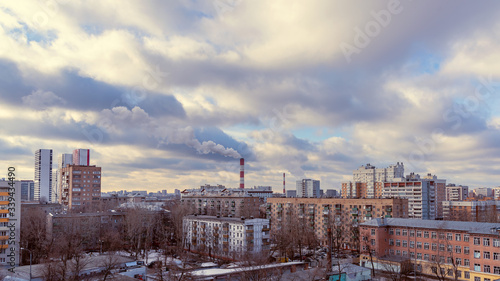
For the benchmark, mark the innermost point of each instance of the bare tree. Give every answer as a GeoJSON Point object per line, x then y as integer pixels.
{"type": "Point", "coordinates": [367, 248]}
{"type": "Point", "coordinates": [33, 235]}
{"type": "Point", "coordinates": [396, 267]}
{"type": "Point", "coordinates": [109, 264]}
{"type": "Point", "coordinates": [444, 264]}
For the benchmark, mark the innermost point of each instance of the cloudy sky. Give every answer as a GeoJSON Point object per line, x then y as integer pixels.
{"type": "Point", "coordinates": [169, 94]}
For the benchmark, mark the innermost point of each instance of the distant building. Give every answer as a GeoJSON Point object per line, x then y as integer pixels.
{"type": "Point", "coordinates": [365, 177]}
{"type": "Point", "coordinates": [291, 193]}
{"type": "Point", "coordinates": [456, 192]}
{"type": "Point", "coordinates": [27, 190]}
{"type": "Point", "coordinates": [262, 192]}
{"type": "Point", "coordinates": [472, 210]}
{"type": "Point", "coordinates": [10, 223]}
{"type": "Point", "coordinates": [230, 238]}
{"type": "Point", "coordinates": [331, 193]}
{"type": "Point", "coordinates": [65, 160]}
{"type": "Point", "coordinates": [80, 186]}
{"type": "Point", "coordinates": [432, 245]}
{"type": "Point", "coordinates": [483, 192]}
{"type": "Point", "coordinates": [308, 188]}
{"type": "Point", "coordinates": [43, 175]}
{"type": "Point", "coordinates": [224, 204]}
{"type": "Point", "coordinates": [496, 193]}
{"type": "Point", "coordinates": [81, 157]}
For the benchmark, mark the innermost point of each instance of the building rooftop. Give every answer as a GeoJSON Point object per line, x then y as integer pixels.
{"type": "Point", "coordinates": [471, 227]}
{"type": "Point", "coordinates": [225, 219]}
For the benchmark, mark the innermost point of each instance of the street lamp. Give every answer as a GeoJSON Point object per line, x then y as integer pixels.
{"type": "Point", "coordinates": [30, 259]}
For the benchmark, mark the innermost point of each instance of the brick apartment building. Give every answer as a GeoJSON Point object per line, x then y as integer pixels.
{"type": "Point", "coordinates": [222, 204]}
{"type": "Point", "coordinates": [80, 186]}
{"type": "Point", "coordinates": [229, 238]}
{"type": "Point", "coordinates": [472, 210]}
{"type": "Point", "coordinates": [474, 248]}
{"type": "Point", "coordinates": [321, 213]}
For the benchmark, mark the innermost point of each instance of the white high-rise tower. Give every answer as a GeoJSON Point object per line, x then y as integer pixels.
{"type": "Point", "coordinates": [43, 175]}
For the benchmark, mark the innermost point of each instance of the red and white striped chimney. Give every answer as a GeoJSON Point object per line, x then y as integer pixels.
{"type": "Point", "coordinates": [242, 173]}
{"type": "Point", "coordinates": [284, 191]}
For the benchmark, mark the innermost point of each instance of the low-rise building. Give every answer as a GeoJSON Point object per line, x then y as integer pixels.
{"type": "Point", "coordinates": [467, 250]}
{"type": "Point", "coordinates": [472, 210]}
{"type": "Point", "coordinates": [229, 238]}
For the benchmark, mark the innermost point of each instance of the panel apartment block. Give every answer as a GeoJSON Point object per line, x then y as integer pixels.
{"type": "Point", "coordinates": [321, 213]}
{"type": "Point", "coordinates": [80, 186]}
{"type": "Point", "coordinates": [431, 245]}
{"type": "Point", "coordinates": [222, 205]}
{"type": "Point", "coordinates": [229, 238]}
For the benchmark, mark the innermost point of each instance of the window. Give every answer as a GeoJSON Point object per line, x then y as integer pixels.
{"type": "Point", "coordinates": [405, 232]}
{"type": "Point", "coordinates": [466, 262]}
{"type": "Point", "coordinates": [496, 269]}
{"type": "Point", "coordinates": [426, 234]}
{"type": "Point", "coordinates": [391, 252]}
{"type": "Point", "coordinates": [405, 253]}
{"type": "Point", "coordinates": [398, 243]}
{"type": "Point", "coordinates": [441, 235]}
{"type": "Point", "coordinates": [419, 245]}
{"type": "Point", "coordinates": [405, 243]}
{"type": "Point", "coordinates": [450, 248]}
{"type": "Point", "coordinates": [426, 246]}
{"type": "Point", "coordinates": [477, 267]}
{"type": "Point", "coordinates": [419, 233]}
{"type": "Point", "coordinates": [449, 260]}
{"type": "Point", "coordinates": [477, 278]}
{"type": "Point", "coordinates": [419, 256]}
{"type": "Point", "coordinates": [441, 259]}
{"type": "Point", "coordinates": [412, 233]}
{"type": "Point", "coordinates": [434, 246]}
{"type": "Point", "coordinates": [412, 244]}
{"type": "Point", "coordinates": [466, 250]}
{"type": "Point", "coordinates": [373, 242]}
{"type": "Point", "coordinates": [398, 231]}
{"type": "Point", "coordinates": [496, 256]}
{"type": "Point", "coordinates": [458, 249]}
{"type": "Point", "coordinates": [486, 255]}
{"type": "Point", "coordinates": [412, 255]}
{"type": "Point", "coordinates": [391, 231]}
{"type": "Point", "coordinates": [391, 242]}
{"type": "Point", "coordinates": [496, 242]}
{"type": "Point", "coordinates": [477, 254]}
{"type": "Point", "coordinates": [426, 257]}
{"type": "Point", "coordinates": [486, 241]}
{"type": "Point", "coordinates": [398, 252]}
{"type": "Point", "coordinates": [477, 241]}
{"type": "Point", "coordinates": [458, 237]}
{"type": "Point", "coordinates": [449, 236]}
{"type": "Point", "coordinates": [433, 257]}
{"type": "Point", "coordinates": [373, 231]}
{"type": "Point", "coordinates": [466, 274]}
{"type": "Point", "coordinates": [487, 268]}
{"type": "Point", "coordinates": [459, 273]}
{"type": "Point", "coordinates": [466, 239]}
{"type": "Point", "coordinates": [433, 235]}
{"type": "Point", "coordinates": [441, 247]}
{"type": "Point", "coordinates": [458, 261]}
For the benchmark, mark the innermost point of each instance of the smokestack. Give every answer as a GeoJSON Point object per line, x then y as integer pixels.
{"type": "Point", "coordinates": [242, 173]}
{"type": "Point", "coordinates": [284, 191]}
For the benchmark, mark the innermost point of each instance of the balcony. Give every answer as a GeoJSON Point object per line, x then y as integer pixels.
{"type": "Point", "coordinates": [369, 215]}
{"type": "Point", "coordinates": [389, 209]}
{"type": "Point", "coordinates": [326, 212]}
{"type": "Point", "coordinates": [249, 231]}
{"type": "Point", "coordinates": [265, 229]}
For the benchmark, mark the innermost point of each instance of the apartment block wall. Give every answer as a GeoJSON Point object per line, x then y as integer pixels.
{"type": "Point", "coordinates": [223, 206]}
{"type": "Point", "coordinates": [229, 238]}
{"type": "Point", "coordinates": [80, 186]}
{"type": "Point", "coordinates": [477, 255]}
{"type": "Point", "coordinates": [324, 212]}
{"type": "Point", "coordinates": [475, 211]}
{"type": "Point", "coordinates": [10, 222]}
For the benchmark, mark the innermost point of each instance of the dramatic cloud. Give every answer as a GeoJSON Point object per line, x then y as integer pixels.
{"type": "Point", "coordinates": [176, 91]}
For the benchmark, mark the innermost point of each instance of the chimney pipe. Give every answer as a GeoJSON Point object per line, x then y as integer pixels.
{"type": "Point", "coordinates": [242, 173]}
{"type": "Point", "coordinates": [284, 191]}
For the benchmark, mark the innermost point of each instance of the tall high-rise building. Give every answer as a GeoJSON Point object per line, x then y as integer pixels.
{"type": "Point", "coordinates": [80, 186]}
{"type": "Point", "coordinates": [81, 157]}
{"type": "Point", "coordinates": [308, 188]}
{"type": "Point", "coordinates": [456, 192]}
{"type": "Point", "coordinates": [43, 175]}
{"type": "Point", "coordinates": [66, 159]}
{"type": "Point", "coordinates": [27, 190]}
{"type": "Point", "coordinates": [366, 177]}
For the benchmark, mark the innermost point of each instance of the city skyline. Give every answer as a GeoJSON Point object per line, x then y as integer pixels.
{"type": "Point", "coordinates": [171, 95]}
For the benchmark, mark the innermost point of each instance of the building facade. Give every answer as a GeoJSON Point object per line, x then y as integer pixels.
{"type": "Point", "coordinates": [229, 238]}
{"type": "Point", "coordinates": [425, 195]}
{"type": "Point", "coordinates": [43, 175]}
{"type": "Point", "coordinates": [81, 157]}
{"type": "Point", "coordinates": [467, 250]}
{"type": "Point", "coordinates": [321, 213]}
{"type": "Point", "coordinates": [366, 177]}
{"type": "Point", "coordinates": [224, 204]}
{"type": "Point", "coordinates": [27, 190]}
{"type": "Point", "coordinates": [308, 188]}
{"type": "Point", "coordinates": [456, 192]}
{"type": "Point", "coordinates": [80, 186]}
{"type": "Point", "coordinates": [472, 210]}
{"type": "Point", "coordinates": [10, 223]}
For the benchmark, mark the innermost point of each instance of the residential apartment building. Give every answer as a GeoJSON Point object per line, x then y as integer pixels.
{"type": "Point", "coordinates": [80, 186]}
{"type": "Point", "coordinates": [366, 177]}
{"type": "Point", "coordinates": [43, 175]}
{"type": "Point", "coordinates": [321, 213]}
{"type": "Point", "coordinates": [472, 210]}
{"type": "Point", "coordinates": [27, 190]}
{"type": "Point", "coordinates": [224, 203]}
{"type": "Point", "coordinates": [496, 193]}
{"type": "Point", "coordinates": [425, 195]}
{"type": "Point", "coordinates": [469, 250]}
{"type": "Point", "coordinates": [456, 192]}
{"type": "Point", "coordinates": [10, 223]}
{"type": "Point", "coordinates": [483, 192]}
{"type": "Point", "coordinates": [229, 238]}
{"type": "Point", "coordinates": [81, 157]}
{"type": "Point", "coordinates": [308, 188]}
